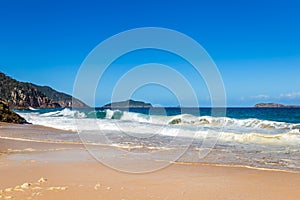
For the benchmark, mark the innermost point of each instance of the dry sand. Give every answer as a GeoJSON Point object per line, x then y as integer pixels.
{"type": "Point", "coordinates": [35, 170]}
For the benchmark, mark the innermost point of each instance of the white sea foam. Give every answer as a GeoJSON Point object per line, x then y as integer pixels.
{"type": "Point", "coordinates": [290, 138]}
{"type": "Point", "coordinates": [185, 125]}
{"type": "Point", "coordinates": [65, 113]}
{"type": "Point", "coordinates": [249, 142]}
{"type": "Point", "coordinates": [226, 121]}
{"type": "Point", "coordinates": [31, 108]}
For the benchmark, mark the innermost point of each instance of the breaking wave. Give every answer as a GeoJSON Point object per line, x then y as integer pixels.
{"type": "Point", "coordinates": [234, 130]}
{"type": "Point", "coordinates": [250, 142]}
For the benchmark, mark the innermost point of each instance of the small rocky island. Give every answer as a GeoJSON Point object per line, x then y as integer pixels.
{"type": "Point", "coordinates": [274, 105]}
{"type": "Point", "coordinates": [127, 104]}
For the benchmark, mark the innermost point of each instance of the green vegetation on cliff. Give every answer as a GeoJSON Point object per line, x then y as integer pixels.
{"type": "Point", "coordinates": [21, 95]}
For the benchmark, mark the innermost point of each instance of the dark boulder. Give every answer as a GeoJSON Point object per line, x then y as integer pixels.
{"type": "Point", "coordinates": [6, 115]}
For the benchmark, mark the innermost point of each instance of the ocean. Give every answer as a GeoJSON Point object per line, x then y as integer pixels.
{"type": "Point", "coordinates": [266, 138]}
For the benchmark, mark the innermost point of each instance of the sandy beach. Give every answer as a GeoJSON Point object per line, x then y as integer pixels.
{"type": "Point", "coordinates": [149, 100]}
{"type": "Point", "coordinates": [45, 170]}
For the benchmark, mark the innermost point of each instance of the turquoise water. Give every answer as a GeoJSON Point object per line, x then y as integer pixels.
{"type": "Point", "coordinates": [289, 115]}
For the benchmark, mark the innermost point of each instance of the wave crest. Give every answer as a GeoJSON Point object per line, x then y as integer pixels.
{"type": "Point", "coordinates": [186, 119]}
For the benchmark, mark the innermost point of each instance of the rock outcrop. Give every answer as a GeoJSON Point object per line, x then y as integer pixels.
{"type": "Point", "coordinates": [6, 115]}
{"type": "Point", "coordinates": [128, 104]}
{"type": "Point", "coordinates": [268, 105]}
{"type": "Point", "coordinates": [274, 105]}
{"type": "Point", "coordinates": [21, 95]}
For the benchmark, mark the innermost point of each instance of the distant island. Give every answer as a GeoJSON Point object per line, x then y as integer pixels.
{"type": "Point", "coordinates": [21, 95]}
{"type": "Point", "coordinates": [274, 105]}
{"type": "Point", "coordinates": [127, 104]}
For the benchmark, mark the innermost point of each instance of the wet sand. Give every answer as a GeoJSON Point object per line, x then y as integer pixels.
{"type": "Point", "coordinates": [69, 172]}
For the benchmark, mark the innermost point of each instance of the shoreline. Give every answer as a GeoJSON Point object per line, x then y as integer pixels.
{"type": "Point", "coordinates": [70, 172]}
{"type": "Point", "coordinates": [80, 146]}
{"type": "Point", "coordinates": [73, 145]}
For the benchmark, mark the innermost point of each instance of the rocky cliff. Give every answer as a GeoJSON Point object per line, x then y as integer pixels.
{"type": "Point", "coordinates": [6, 115]}
{"type": "Point", "coordinates": [21, 95]}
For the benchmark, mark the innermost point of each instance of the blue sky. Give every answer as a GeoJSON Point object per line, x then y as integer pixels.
{"type": "Point", "coordinates": [255, 44]}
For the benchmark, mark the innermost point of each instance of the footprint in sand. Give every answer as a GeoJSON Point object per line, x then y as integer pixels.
{"type": "Point", "coordinates": [108, 188]}
{"type": "Point", "coordinates": [42, 180]}
{"type": "Point", "coordinates": [25, 185]}
{"type": "Point", "coordinates": [97, 186]}
{"type": "Point", "coordinates": [57, 188]}
{"type": "Point", "coordinates": [8, 190]}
